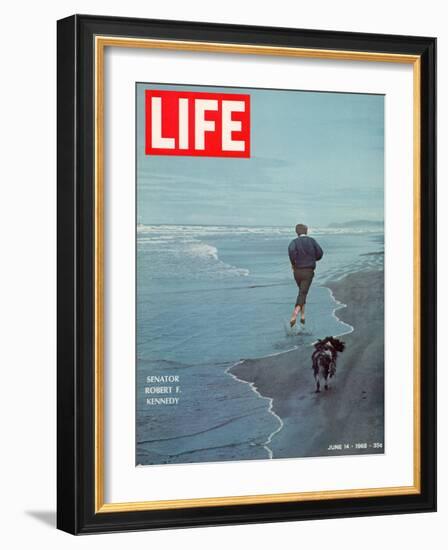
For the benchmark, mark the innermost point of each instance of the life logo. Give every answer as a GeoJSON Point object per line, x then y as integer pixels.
{"type": "Point", "coordinates": [198, 124]}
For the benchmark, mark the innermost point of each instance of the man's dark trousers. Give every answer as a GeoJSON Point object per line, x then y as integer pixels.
{"type": "Point", "coordinates": [303, 277]}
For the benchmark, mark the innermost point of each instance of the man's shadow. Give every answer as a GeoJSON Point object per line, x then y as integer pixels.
{"type": "Point", "coordinates": [48, 517]}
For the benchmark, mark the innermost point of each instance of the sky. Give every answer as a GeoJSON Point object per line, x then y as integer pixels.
{"type": "Point", "coordinates": [316, 158]}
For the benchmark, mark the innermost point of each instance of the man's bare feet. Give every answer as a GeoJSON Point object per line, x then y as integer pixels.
{"type": "Point", "coordinates": [295, 312]}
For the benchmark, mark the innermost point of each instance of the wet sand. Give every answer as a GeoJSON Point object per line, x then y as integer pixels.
{"type": "Point", "coordinates": [351, 412]}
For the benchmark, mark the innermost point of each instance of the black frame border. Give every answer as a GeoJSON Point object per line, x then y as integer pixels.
{"type": "Point", "coordinates": [76, 262]}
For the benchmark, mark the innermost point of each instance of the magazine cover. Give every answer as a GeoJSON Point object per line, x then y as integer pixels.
{"type": "Point", "coordinates": [259, 274]}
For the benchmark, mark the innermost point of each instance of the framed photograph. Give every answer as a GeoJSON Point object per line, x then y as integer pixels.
{"type": "Point", "coordinates": [246, 274]}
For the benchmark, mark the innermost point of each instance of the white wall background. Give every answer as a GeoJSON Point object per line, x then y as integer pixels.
{"type": "Point", "coordinates": [27, 271]}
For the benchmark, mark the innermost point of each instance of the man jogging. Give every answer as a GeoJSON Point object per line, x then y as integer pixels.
{"type": "Point", "coordinates": [303, 253]}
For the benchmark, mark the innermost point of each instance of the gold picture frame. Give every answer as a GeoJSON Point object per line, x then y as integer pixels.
{"type": "Point", "coordinates": [110, 516]}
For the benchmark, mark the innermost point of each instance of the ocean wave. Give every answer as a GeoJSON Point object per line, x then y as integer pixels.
{"type": "Point", "coordinates": [186, 257]}
{"type": "Point", "coordinates": [203, 250]}
{"type": "Point", "coordinates": [174, 231]}
{"type": "Point", "coordinates": [208, 253]}
{"type": "Point", "coordinates": [372, 261]}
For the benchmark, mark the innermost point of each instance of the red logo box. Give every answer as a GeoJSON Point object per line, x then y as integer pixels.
{"type": "Point", "coordinates": [197, 124]}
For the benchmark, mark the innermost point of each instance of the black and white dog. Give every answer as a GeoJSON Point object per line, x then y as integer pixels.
{"type": "Point", "coordinates": [324, 359]}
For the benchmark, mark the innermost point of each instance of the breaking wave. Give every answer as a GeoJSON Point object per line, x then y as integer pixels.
{"type": "Point", "coordinates": [183, 255]}
{"type": "Point", "coordinates": [174, 231]}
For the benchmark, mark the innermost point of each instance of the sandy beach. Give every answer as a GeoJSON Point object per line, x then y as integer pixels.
{"type": "Point", "coordinates": [351, 412]}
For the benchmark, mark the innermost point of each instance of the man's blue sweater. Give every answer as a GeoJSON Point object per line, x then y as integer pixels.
{"type": "Point", "coordinates": [304, 252]}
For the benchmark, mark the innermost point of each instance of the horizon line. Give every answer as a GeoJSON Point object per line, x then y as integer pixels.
{"type": "Point", "coordinates": [258, 225]}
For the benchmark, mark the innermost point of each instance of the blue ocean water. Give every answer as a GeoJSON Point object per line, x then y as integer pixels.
{"type": "Point", "coordinates": [213, 294]}
{"type": "Point", "coordinates": [209, 296]}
